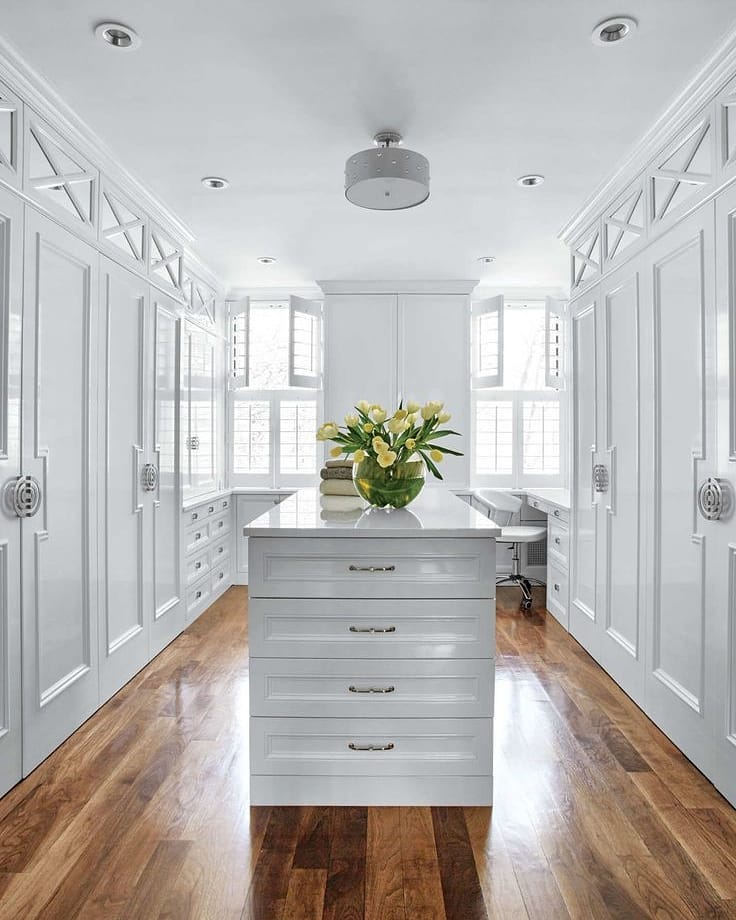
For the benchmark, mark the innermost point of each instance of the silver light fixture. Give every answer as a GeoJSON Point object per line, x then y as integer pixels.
{"type": "Point", "coordinates": [215, 182]}
{"type": "Point", "coordinates": [532, 180]}
{"type": "Point", "coordinates": [266, 260]}
{"type": "Point", "coordinates": [118, 36]}
{"type": "Point", "coordinates": [387, 177]}
{"type": "Point", "coordinates": [613, 30]}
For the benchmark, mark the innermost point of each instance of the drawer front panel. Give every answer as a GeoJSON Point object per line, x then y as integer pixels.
{"type": "Point", "coordinates": [365, 567]}
{"type": "Point", "coordinates": [558, 544]}
{"type": "Point", "coordinates": [557, 593]}
{"type": "Point", "coordinates": [220, 525]}
{"type": "Point", "coordinates": [462, 688]}
{"type": "Point", "coordinates": [198, 596]}
{"type": "Point", "coordinates": [369, 747]}
{"type": "Point", "coordinates": [219, 552]}
{"type": "Point", "coordinates": [197, 566]}
{"type": "Point", "coordinates": [552, 511]}
{"type": "Point", "coordinates": [287, 628]}
{"type": "Point", "coordinates": [197, 538]}
{"type": "Point", "coordinates": [221, 574]}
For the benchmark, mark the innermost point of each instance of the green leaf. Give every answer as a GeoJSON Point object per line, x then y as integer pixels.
{"type": "Point", "coordinates": [430, 466]}
{"type": "Point", "coordinates": [445, 450]}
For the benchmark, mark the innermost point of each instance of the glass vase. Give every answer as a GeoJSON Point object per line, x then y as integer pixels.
{"type": "Point", "coordinates": [393, 487]}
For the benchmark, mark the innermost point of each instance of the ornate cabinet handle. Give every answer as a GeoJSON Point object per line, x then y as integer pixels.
{"type": "Point", "coordinates": [354, 689]}
{"type": "Point", "coordinates": [372, 629]}
{"type": "Point", "coordinates": [23, 496]}
{"type": "Point", "coordinates": [389, 746]}
{"type": "Point", "coordinates": [372, 568]}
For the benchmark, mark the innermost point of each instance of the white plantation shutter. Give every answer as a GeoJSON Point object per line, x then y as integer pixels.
{"type": "Point", "coordinates": [239, 341]}
{"type": "Point", "coordinates": [554, 370]}
{"type": "Point", "coordinates": [305, 320]}
{"type": "Point", "coordinates": [487, 366]}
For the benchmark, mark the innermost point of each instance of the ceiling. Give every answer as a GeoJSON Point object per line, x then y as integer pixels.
{"type": "Point", "coordinates": [275, 94]}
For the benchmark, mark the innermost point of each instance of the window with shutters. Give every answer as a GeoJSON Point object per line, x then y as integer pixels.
{"type": "Point", "coordinates": [275, 391]}
{"type": "Point", "coordinates": [517, 421]}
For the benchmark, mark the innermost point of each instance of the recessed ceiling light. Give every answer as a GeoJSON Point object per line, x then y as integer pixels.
{"type": "Point", "coordinates": [266, 260]}
{"type": "Point", "coordinates": [530, 181]}
{"type": "Point", "coordinates": [116, 35]}
{"type": "Point", "coordinates": [215, 182]}
{"type": "Point", "coordinates": [486, 259]}
{"type": "Point", "coordinates": [613, 30]}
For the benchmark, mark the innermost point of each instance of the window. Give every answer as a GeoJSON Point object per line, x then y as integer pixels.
{"type": "Point", "coordinates": [517, 416]}
{"type": "Point", "coordinates": [275, 391]}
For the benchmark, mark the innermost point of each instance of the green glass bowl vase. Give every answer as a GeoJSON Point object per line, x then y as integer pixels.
{"type": "Point", "coordinates": [393, 487]}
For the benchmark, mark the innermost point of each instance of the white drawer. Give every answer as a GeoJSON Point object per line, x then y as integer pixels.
{"type": "Point", "coordinates": [195, 516]}
{"type": "Point", "coordinates": [221, 574]}
{"type": "Point", "coordinates": [288, 628]}
{"type": "Point", "coordinates": [220, 551]}
{"type": "Point", "coordinates": [557, 593]}
{"type": "Point", "coordinates": [196, 567]}
{"type": "Point", "coordinates": [371, 567]}
{"type": "Point", "coordinates": [198, 596]}
{"type": "Point", "coordinates": [197, 538]}
{"type": "Point", "coordinates": [371, 688]}
{"type": "Point", "coordinates": [220, 524]}
{"type": "Point", "coordinates": [558, 543]}
{"type": "Point", "coordinates": [369, 747]}
{"type": "Point", "coordinates": [552, 511]}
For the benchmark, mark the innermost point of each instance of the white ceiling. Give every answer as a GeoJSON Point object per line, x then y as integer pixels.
{"type": "Point", "coordinates": [275, 94]}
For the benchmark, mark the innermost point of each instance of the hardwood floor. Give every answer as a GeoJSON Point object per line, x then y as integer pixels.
{"type": "Point", "coordinates": [144, 812]}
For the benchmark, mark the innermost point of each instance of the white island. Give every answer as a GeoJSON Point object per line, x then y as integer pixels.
{"type": "Point", "coordinates": [372, 645]}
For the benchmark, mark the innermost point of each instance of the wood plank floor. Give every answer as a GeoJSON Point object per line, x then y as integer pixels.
{"type": "Point", "coordinates": [144, 812]}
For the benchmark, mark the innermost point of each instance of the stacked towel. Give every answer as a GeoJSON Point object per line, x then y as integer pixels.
{"type": "Point", "coordinates": [337, 472]}
{"type": "Point", "coordinates": [337, 492]}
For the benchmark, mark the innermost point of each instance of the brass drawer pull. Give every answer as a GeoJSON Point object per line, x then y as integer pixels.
{"type": "Point", "coordinates": [372, 568]}
{"type": "Point", "coordinates": [354, 689]}
{"type": "Point", "coordinates": [389, 746]}
{"type": "Point", "coordinates": [372, 629]}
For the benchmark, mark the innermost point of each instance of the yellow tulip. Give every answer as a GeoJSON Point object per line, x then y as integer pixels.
{"type": "Point", "coordinates": [428, 411]}
{"type": "Point", "coordinates": [364, 406]}
{"type": "Point", "coordinates": [359, 456]}
{"type": "Point", "coordinates": [335, 451]}
{"type": "Point", "coordinates": [410, 443]}
{"type": "Point", "coordinates": [379, 445]}
{"type": "Point", "coordinates": [412, 406]}
{"type": "Point", "coordinates": [396, 425]}
{"type": "Point", "coordinates": [321, 436]}
{"type": "Point", "coordinates": [436, 455]}
{"type": "Point", "coordinates": [444, 417]}
{"type": "Point", "coordinates": [400, 413]}
{"type": "Point", "coordinates": [378, 414]}
{"type": "Point", "coordinates": [413, 418]}
{"type": "Point", "coordinates": [351, 420]}
{"type": "Point", "coordinates": [386, 458]}
{"type": "Point", "coordinates": [367, 427]}
{"type": "Point", "coordinates": [330, 429]}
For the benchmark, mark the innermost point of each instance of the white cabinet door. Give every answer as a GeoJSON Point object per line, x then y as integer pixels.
{"type": "Point", "coordinates": [60, 544]}
{"type": "Point", "coordinates": [126, 509]}
{"type": "Point", "coordinates": [11, 288]}
{"type": "Point", "coordinates": [721, 534]}
{"type": "Point", "coordinates": [247, 509]}
{"type": "Point", "coordinates": [680, 312]}
{"type": "Point", "coordinates": [199, 410]}
{"type": "Point", "coordinates": [434, 364]}
{"type": "Point", "coordinates": [168, 608]}
{"type": "Point", "coordinates": [621, 524]}
{"type": "Point", "coordinates": [584, 512]}
{"type": "Point", "coordinates": [360, 352]}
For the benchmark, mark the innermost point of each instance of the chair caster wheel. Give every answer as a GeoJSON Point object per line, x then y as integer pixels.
{"type": "Point", "coordinates": [526, 605]}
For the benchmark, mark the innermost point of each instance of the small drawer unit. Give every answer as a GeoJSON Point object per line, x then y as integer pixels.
{"type": "Point", "coordinates": [558, 544]}
{"type": "Point", "coordinates": [558, 593]}
{"type": "Point", "coordinates": [208, 534]}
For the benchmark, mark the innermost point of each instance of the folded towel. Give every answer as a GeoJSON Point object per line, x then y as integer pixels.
{"type": "Point", "coordinates": [341, 503]}
{"type": "Point", "coordinates": [336, 472]}
{"type": "Point", "coordinates": [338, 487]}
{"type": "Point", "coordinates": [333, 464]}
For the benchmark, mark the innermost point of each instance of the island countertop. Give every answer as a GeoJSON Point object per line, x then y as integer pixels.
{"type": "Point", "coordinates": [435, 513]}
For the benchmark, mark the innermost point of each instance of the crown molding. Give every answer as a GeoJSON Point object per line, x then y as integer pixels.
{"type": "Point", "coordinates": [520, 293]}
{"type": "Point", "coordinates": [37, 94]}
{"type": "Point", "coordinates": [458, 286]}
{"type": "Point", "coordinates": [718, 68]}
{"type": "Point", "coordinates": [274, 293]}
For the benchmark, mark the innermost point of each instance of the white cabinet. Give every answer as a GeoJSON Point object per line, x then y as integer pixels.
{"type": "Point", "coordinates": [11, 287]}
{"type": "Point", "coordinates": [208, 552]}
{"type": "Point", "coordinates": [61, 542]}
{"type": "Point", "coordinates": [201, 384]}
{"type": "Point", "coordinates": [389, 346]}
{"type": "Point", "coordinates": [247, 508]}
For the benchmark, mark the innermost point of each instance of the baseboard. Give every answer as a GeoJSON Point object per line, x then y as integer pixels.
{"type": "Point", "coordinates": [371, 790]}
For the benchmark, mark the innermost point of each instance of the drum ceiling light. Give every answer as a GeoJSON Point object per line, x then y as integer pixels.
{"type": "Point", "coordinates": [387, 177]}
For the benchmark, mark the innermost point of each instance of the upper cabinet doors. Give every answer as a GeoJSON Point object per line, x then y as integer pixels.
{"type": "Point", "coordinates": [125, 493]}
{"type": "Point", "coordinates": [11, 110]}
{"type": "Point", "coordinates": [199, 416]}
{"type": "Point", "coordinates": [60, 543]}
{"type": "Point", "coordinates": [11, 287]}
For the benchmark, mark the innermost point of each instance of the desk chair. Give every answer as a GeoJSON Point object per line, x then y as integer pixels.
{"type": "Point", "coordinates": [503, 506]}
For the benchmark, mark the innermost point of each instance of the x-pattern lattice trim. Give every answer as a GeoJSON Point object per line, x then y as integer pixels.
{"type": "Point", "coordinates": [729, 103]}
{"type": "Point", "coordinates": [12, 109]}
{"type": "Point", "coordinates": [683, 174]}
{"type": "Point", "coordinates": [60, 179]}
{"type": "Point", "coordinates": [165, 261]}
{"type": "Point", "coordinates": [624, 225]}
{"type": "Point", "coordinates": [123, 227]}
{"type": "Point", "coordinates": [585, 260]}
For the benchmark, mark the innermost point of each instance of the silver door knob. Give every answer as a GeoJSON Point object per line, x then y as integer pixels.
{"type": "Point", "coordinates": [149, 477]}
{"type": "Point", "coordinates": [714, 498]}
{"type": "Point", "coordinates": [23, 496]}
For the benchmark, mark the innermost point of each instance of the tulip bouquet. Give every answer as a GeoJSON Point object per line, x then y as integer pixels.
{"type": "Point", "coordinates": [382, 448]}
